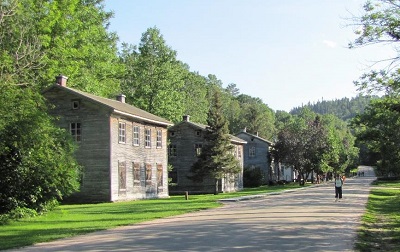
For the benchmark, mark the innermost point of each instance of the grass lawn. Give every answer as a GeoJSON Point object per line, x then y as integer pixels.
{"type": "Point", "coordinates": [380, 229]}
{"type": "Point", "coordinates": [70, 220]}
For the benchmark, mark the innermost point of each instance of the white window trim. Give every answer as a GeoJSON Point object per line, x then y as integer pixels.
{"type": "Point", "coordinates": [121, 132]}
{"type": "Point", "coordinates": [159, 139]}
{"type": "Point", "coordinates": [147, 138]}
{"type": "Point", "coordinates": [138, 135]}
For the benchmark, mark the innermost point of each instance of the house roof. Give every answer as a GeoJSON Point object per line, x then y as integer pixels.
{"type": "Point", "coordinates": [204, 127]}
{"type": "Point", "coordinates": [255, 136]}
{"type": "Point", "coordinates": [117, 106]}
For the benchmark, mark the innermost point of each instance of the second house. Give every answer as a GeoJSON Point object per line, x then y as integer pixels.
{"type": "Point", "coordinates": [186, 142]}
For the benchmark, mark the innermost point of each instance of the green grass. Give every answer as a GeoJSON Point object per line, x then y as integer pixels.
{"type": "Point", "coordinates": [70, 220]}
{"type": "Point", "coordinates": [380, 228]}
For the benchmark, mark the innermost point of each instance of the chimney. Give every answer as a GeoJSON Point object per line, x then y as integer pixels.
{"type": "Point", "coordinates": [257, 133]}
{"type": "Point", "coordinates": [61, 80]}
{"type": "Point", "coordinates": [121, 98]}
{"type": "Point", "coordinates": [186, 118]}
{"type": "Point", "coordinates": [245, 129]}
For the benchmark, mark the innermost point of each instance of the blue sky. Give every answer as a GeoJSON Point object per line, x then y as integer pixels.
{"type": "Point", "coordinates": [287, 53]}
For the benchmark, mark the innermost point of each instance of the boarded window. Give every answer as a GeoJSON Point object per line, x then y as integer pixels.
{"type": "Point", "coordinates": [76, 132]}
{"type": "Point", "coordinates": [159, 175]}
{"type": "Point", "coordinates": [122, 175]}
{"type": "Point", "coordinates": [136, 134]}
{"type": "Point", "coordinates": [136, 174]}
{"type": "Point", "coordinates": [148, 174]}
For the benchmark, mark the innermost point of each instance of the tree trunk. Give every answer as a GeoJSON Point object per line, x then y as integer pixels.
{"type": "Point", "coordinates": [216, 187]}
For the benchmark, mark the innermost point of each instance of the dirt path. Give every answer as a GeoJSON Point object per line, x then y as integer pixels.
{"type": "Point", "coordinates": [304, 220]}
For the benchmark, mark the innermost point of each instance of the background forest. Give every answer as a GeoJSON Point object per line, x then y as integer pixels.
{"type": "Point", "coordinates": [40, 39]}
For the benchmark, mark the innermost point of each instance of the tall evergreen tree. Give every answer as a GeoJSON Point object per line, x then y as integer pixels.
{"type": "Point", "coordinates": [216, 159]}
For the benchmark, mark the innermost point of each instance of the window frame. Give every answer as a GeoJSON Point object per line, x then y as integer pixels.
{"type": "Point", "coordinates": [252, 151]}
{"type": "Point", "coordinates": [172, 150]}
{"type": "Point", "coordinates": [121, 132]}
{"type": "Point", "coordinates": [159, 139]}
{"type": "Point", "coordinates": [147, 138]}
{"type": "Point", "coordinates": [198, 149]}
{"type": "Point", "coordinates": [76, 131]}
{"type": "Point", "coordinates": [136, 135]}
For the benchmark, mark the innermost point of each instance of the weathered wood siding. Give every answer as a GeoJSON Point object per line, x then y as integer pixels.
{"type": "Point", "coordinates": [185, 137]}
{"type": "Point", "coordinates": [93, 152]}
{"type": "Point", "coordinates": [105, 161]}
{"type": "Point", "coordinates": [152, 158]}
{"type": "Point", "coordinates": [260, 159]}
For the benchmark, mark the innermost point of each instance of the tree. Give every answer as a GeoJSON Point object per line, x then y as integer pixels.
{"type": "Point", "coordinates": [36, 158]}
{"type": "Point", "coordinates": [216, 159]}
{"type": "Point", "coordinates": [195, 102]}
{"type": "Point", "coordinates": [379, 24]}
{"type": "Point", "coordinates": [158, 77]}
{"type": "Point", "coordinates": [76, 42]}
{"type": "Point", "coordinates": [302, 144]}
{"type": "Point", "coordinates": [255, 116]}
{"type": "Point", "coordinates": [378, 127]}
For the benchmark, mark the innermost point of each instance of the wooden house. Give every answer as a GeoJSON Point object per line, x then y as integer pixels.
{"type": "Point", "coordinates": [186, 141]}
{"type": "Point", "coordinates": [122, 149]}
{"type": "Point", "coordinates": [256, 154]}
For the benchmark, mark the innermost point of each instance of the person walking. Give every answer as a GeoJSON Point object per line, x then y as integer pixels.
{"type": "Point", "coordinates": [338, 187]}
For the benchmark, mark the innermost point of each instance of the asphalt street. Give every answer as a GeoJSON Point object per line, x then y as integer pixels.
{"type": "Point", "coordinates": [302, 220]}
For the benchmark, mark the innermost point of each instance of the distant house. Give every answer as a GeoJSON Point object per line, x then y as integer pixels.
{"type": "Point", "coordinates": [256, 154]}
{"type": "Point", "coordinates": [186, 141]}
{"type": "Point", "coordinates": [123, 149]}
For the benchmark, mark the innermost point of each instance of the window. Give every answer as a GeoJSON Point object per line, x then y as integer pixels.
{"type": "Point", "coordinates": [197, 149]}
{"type": "Point", "coordinates": [239, 151]}
{"type": "Point", "coordinates": [75, 104]}
{"type": "Point", "coordinates": [198, 132]}
{"type": "Point", "coordinates": [147, 138]}
{"type": "Point", "coordinates": [252, 151]}
{"type": "Point", "coordinates": [172, 150]}
{"type": "Point", "coordinates": [121, 132]}
{"type": "Point", "coordinates": [136, 133]}
{"type": "Point", "coordinates": [159, 139]}
{"type": "Point", "coordinates": [75, 129]}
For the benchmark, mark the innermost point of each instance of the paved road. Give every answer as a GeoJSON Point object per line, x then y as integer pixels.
{"type": "Point", "coordinates": [303, 220]}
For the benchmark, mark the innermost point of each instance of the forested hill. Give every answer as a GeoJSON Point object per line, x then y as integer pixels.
{"type": "Point", "coordinates": [344, 108]}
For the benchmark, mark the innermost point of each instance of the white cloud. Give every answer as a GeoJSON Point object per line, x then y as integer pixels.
{"type": "Point", "coordinates": [329, 43]}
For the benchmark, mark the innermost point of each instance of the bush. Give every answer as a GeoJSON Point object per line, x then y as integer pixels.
{"type": "Point", "coordinates": [252, 177]}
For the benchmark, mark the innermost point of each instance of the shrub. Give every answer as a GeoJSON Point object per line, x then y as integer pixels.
{"type": "Point", "coordinates": [252, 177]}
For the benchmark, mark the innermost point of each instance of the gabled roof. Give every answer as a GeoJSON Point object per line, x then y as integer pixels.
{"type": "Point", "coordinates": [254, 136]}
{"type": "Point", "coordinates": [204, 127]}
{"type": "Point", "coordinates": [116, 106]}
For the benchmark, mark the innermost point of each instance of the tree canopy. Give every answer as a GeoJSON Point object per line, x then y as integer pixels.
{"type": "Point", "coordinates": [376, 128]}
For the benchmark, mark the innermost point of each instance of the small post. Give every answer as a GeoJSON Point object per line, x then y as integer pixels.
{"type": "Point", "coordinates": [186, 195]}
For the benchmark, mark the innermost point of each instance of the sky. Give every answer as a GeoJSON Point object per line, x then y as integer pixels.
{"type": "Point", "coordinates": [287, 53]}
